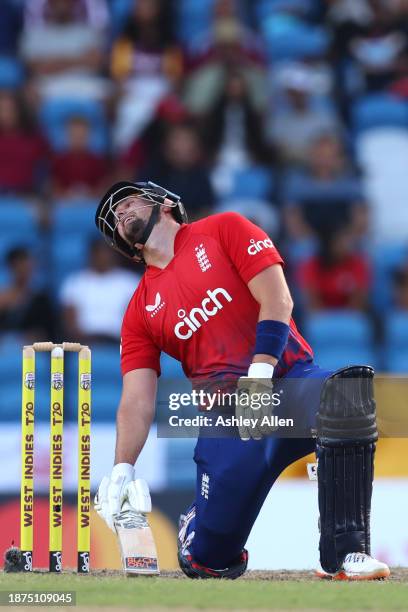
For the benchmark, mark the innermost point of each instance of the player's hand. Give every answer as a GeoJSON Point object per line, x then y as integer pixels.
{"type": "Point", "coordinates": [255, 402]}
{"type": "Point", "coordinates": [112, 492]}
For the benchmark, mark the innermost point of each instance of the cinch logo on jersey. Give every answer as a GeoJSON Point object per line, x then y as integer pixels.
{"type": "Point", "coordinates": [191, 322]}
{"type": "Point", "coordinates": [257, 247]}
{"type": "Point", "coordinates": [156, 307]}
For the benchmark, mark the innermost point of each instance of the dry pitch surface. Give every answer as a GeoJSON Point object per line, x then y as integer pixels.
{"type": "Point", "coordinates": [257, 590]}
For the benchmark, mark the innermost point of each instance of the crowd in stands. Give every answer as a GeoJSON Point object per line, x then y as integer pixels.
{"type": "Point", "coordinates": [291, 112]}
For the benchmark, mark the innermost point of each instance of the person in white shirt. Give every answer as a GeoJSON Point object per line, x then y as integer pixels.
{"type": "Point", "coordinates": [94, 298]}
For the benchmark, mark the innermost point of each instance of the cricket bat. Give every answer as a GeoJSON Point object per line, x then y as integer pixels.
{"type": "Point", "coordinates": [137, 547]}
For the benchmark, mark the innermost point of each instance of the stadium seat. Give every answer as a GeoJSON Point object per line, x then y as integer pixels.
{"type": "Point", "coordinates": [338, 357]}
{"type": "Point", "coordinates": [15, 214]}
{"type": "Point", "coordinates": [54, 114]}
{"type": "Point", "coordinates": [335, 329]}
{"type": "Point", "coordinates": [105, 401]}
{"type": "Point", "coordinates": [106, 363]}
{"type": "Point", "coordinates": [11, 73]}
{"type": "Point", "coordinates": [379, 110]}
{"type": "Point", "coordinates": [75, 218]}
{"type": "Point", "coordinates": [181, 469]}
{"type": "Point", "coordinates": [193, 20]}
{"type": "Point", "coordinates": [290, 38]}
{"type": "Point", "coordinates": [72, 231]}
{"type": "Point", "coordinates": [254, 183]}
{"type": "Point", "coordinates": [386, 258]}
{"type": "Point", "coordinates": [119, 10]}
{"type": "Point", "coordinates": [396, 361]}
{"type": "Point", "coordinates": [396, 342]}
{"type": "Point", "coordinates": [170, 367]}
{"type": "Point", "coordinates": [396, 330]}
{"type": "Point", "coordinates": [341, 338]}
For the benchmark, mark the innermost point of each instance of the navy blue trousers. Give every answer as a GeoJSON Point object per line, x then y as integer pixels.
{"type": "Point", "coordinates": [234, 477]}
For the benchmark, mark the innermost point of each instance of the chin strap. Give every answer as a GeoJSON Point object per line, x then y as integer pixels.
{"type": "Point", "coordinates": [154, 215]}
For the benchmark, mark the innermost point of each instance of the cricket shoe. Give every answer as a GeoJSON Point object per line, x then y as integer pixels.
{"type": "Point", "coordinates": [357, 566]}
{"type": "Point", "coordinates": [191, 567]}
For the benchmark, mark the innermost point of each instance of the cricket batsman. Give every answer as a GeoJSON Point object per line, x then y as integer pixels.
{"type": "Point", "coordinates": [214, 296]}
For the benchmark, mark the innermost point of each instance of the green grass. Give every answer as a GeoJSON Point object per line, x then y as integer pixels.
{"type": "Point", "coordinates": [105, 590]}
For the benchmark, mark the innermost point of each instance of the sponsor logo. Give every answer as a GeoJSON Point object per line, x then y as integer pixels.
{"type": "Point", "coordinates": [29, 380]}
{"type": "Point", "coordinates": [202, 258]}
{"type": "Point", "coordinates": [85, 381]}
{"type": "Point", "coordinates": [156, 307]}
{"type": "Point", "coordinates": [192, 321]}
{"type": "Point", "coordinates": [28, 561]}
{"type": "Point", "coordinates": [205, 485]}
{"type": "Point", "coordinates": [84, 556]}
{"type": "Point", "coordinates": [57, 381]}
{"type": "Point", "coordinates": [259, 245]}
{"type": "Point", "coordinates": [141, 563]}
{"type": "Point", "coordinates": [57, 561]}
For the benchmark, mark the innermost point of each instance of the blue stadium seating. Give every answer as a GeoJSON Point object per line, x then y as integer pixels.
{"type": "Point", "coordinates": [396, 342]}
{"type": "Point", "coordinates": [106, 382]}
{"type": "Point", "coordinates": [193, 20]}
{"type": "Point", "coordinates": [396, 330]}
{"type": "Point", "coordinates": [255, 183]}
{"type": "Point", "coordinates": [397, 361]}
{"type": "Point", "coordinates": [339, 328]}
{"type": "Point", "coordinates": [18, 225]}
{"type": "Point", "coordinates": [55, 113]}
{"type": "Point", "coordinates": [264, 8]}
{"type": "Point", "coordinates": [386, 258]}
{"type": "Point", "coordinates": [341, 338]}
{"type": "Point", "coordinates": [72, 231]}
{"type": "Point", "coordinates": [339, 357]}
{"type": "Point", "coordinates": [287, 37]}
{"type": "Point", "coordinates": [119, 10]}
{"type": "Point", "coordinates": [11, 73]}
{"type": "Point", "coordinates": [181, 469]}
{"type": "Point", "coordinates": [170, 367]}
{"type": "Point", "coordinates": [379, 110]}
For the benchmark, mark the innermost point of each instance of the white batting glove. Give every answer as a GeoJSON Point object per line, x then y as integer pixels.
{"type": "Point", "coordinates": [251, 389]}
{"type": "Point", "coordinates": [112, 492]}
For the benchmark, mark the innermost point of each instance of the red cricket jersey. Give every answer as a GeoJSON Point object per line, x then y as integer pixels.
{"type": "Point", "coordinates": [199, 309]}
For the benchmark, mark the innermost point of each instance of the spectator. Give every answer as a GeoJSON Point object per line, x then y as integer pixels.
{"type": "Point", "coordinates": [303, 112]}
{"type": "Point", "coordinates": [24, 309]}
{"type": "Point", "coordinates": [325, 193]}
{"type": "Point", "coordinates": [338, 276]}
{"type": "Point", "coordinates": [401, 287]}
{"type": "Point", "coordinates": [144, 59]}
{"type": "Point", "coordinates": [78, 171]}
{"type": "Point", "coordinates": [230, 45]}
{"type": "Point", "coordinates": [94, 299]}
{"type": "Point", "coordinates": [22, 150]}
{"type": "Point", "coordinates": [233, 132]}
{"type": "Point", "coordinates": [181, 168]}
{"type": "Point", "coordinates": [10, 26]}
{"type": "Point", "coordinates": [93, 12]}
{"type": "Point", "coordinates": [146, 148]}
{"type": "Point", "coordinates": [64, 53]}
{"type": "Point", "coordinates": [227, 18]}
{"type": "Point", "coordinates": [233, 128]}
{"type": "Point", "coordinates": [376, 41]}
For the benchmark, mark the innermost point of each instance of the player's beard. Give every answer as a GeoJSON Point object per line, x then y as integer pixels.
{"type": "Point", "coordinates": [134, 230]}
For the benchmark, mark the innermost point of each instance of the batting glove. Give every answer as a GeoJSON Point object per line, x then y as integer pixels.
{"type": "Point", "coordinates": [112, 492]}
{"type": "Point", "coordinates": [254, 403]}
